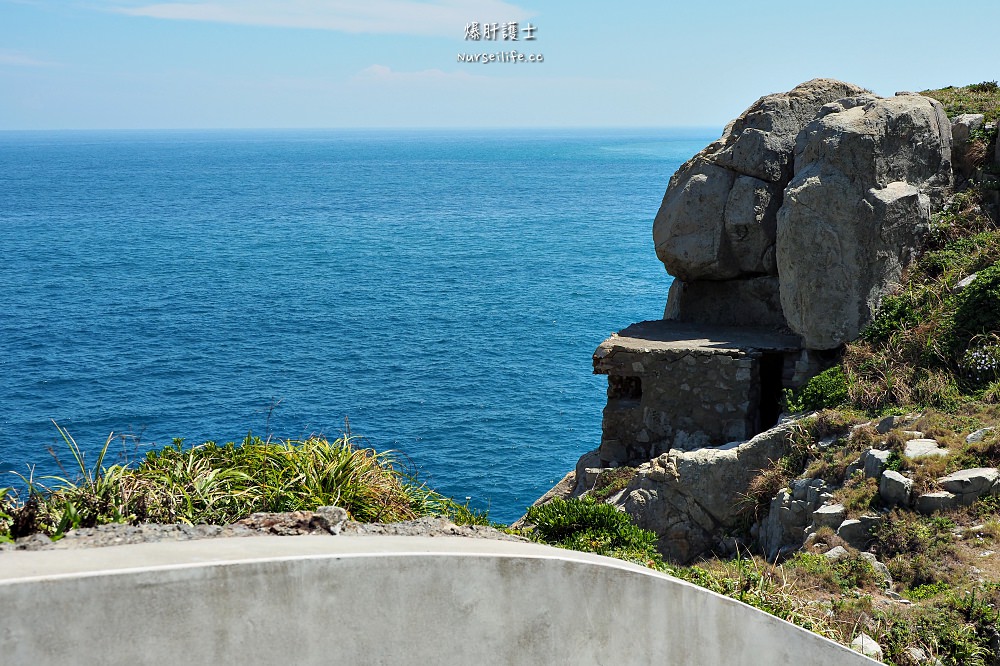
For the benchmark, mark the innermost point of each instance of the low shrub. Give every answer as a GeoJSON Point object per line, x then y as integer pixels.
{"type": "Point", "coordinates": [591, 526]}
{"type": "Point", "coordinates": [826, 390]}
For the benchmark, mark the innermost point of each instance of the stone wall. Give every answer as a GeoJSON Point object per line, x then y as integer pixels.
{"type": "Point", "coordinates": [677, 386]}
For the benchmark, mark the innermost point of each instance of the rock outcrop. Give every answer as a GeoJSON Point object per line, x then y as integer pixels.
{"type": "Point", "coordinates": [783, 238]}
{"type": "Point", "coordinates": [806, 210]}
{"type": "Point", "coordinates": [686, 497]}
{"type": "Point", "coordinates": [867, 170]}
{"type": "Point", "coordinates": [718, 219]}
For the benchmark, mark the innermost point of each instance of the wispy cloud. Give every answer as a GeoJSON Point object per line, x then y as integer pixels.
{"type": "Point", "coordinates": [16, 59]}
{"type": "Point", "coordinates": [413, 17]}
{"type": "Point", "coordinates": [381, 73]}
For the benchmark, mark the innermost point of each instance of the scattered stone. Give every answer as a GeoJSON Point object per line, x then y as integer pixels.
{"type": "Point", "coordinates": [875, 461]}
{"type": "Point", "coordinates": [836, 553]}
{"type": "Point", "coordinates": [963, 283]}
{"type": "Point", "coordinates": [328, 519]}
{"type": "Point", "coordinates": [963, 125]}
{"type": "Point", "coordinates": [894, 488]}
{"type": "Point", "coordinates": [33, 542]}
{"type": "Point", "coordinates": [987, 553]}
{"type": "Point", "coordinates": [880, 569]}
{"type": "Point", "coordinates": [867, 646]}
{"type": "Point", "coordinates": [828, 515]}
{"type": "Point", "coordinates": [853, 468]}
{"type": "Point", "coordinates": [889, 423]}
{"type": "Point", "coordinates": [922, 448]}
{"type": "Point", "coordinates": [429, 526]}
{"type": "Point", "coordinates": [912, 434]}
{"type": "Point", "coordinates": [928, 503]}
{"type": "Point", "coordinates": [855, 533]}
{"type": "Point", "coordinates": [971, 484]}
{"type": "Point", "coordinates": [978, 435]}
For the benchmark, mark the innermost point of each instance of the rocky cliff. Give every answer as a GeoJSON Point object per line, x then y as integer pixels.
{"type": "Point", "coordinates": [809, 205]}
{"type": "Point", "coordinates": [783, 237]}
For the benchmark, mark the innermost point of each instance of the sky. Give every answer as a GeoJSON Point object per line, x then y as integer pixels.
{"type": "Point", "coordinates": [144, 64]}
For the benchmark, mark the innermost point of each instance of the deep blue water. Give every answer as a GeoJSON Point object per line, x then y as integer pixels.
{"type": "Point", "coordinates": [443, 290]}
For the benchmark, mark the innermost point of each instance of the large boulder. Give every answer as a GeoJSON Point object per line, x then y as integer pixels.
{"type": "Point", "coordinates": [686, 497]}
{"type": "Point", "coordinates": [867, 171]}
{"type": "Point", "coordinates": [718, 216]}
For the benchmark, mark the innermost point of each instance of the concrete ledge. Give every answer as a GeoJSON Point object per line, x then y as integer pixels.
{"type": "Point", "coordinates": [667, 335]}
{"type": "Point", "coordinates": [375, 600]}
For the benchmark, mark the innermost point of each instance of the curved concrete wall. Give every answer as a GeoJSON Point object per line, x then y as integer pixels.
{"type": "Point", "coordinates": [375, 600]}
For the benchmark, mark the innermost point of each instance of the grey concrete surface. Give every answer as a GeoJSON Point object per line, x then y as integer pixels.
{"type": "Point", "coordinates": [375, 600]}
{"type": "Point", "coordinates": [676, 335]}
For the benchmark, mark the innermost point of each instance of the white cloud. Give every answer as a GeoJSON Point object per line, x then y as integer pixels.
{"type": "Point", "coordinates": [413, 17]}
{"type": "Point", "coordinates": [381, 73]}
{"type": "Point", "coordinates": [15, 59]}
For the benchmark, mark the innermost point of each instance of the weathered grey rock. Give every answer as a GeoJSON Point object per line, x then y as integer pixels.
{"type": "Point", "coordinates": [962, 125]}
{"type": "Point", "coordinates": [996, 153]}
{"type": "Point", "coordinates": [978, 435]}
{"type": "Point", "coordinates": [828, 515]}
{"type": "Point", "coordinates": [329, 519]}
{"type": "Point", "coordinates": [836, 554]}
{"type": "Point", "coordinates": [894, 488]}
{"type": "Point", "coordinates": [887, 423]}
{"type": "Point", "coordinates": [866, 173]}
{"type": "Point", "coordinates": [964, 282]}
{"type": "Point", "coordinates": [750, 302]}
{"type": "Point", "coordinates": [971, 484]}
{"type": "Point", "coordinates": [875, 461]}
{"type": "Point", "coordinates": [928, 503]}
{"type": "Point", "coordinates": [686, 497]}
{"type": "Point", "coordinates": [791, 517]}
{"type": "Point", "coordinates": [918, 656]}
{"type": "Point", "coordinates": [881, 570]}
{"type": "Point", "coordinates": [717, 220]}
{"type": "Point", "coordinates": [870, 522]}
{"type": "Point", "coordinates": [751, 224]}
{"type": "Point", "coordinates": [867, 646]}
{"type": "Point", "coordinates": [690, 228]}
{"type": "Point", "coordinates": [921, 448]}
{"type": "Point", "coordinates": [853, 468]}
{"type": "Point", "coordinates": [856, 533]}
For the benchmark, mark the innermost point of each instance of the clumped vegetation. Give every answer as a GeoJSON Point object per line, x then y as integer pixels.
{"type": "Point", "coordinates": [981, 98]}
{"type": "Point", "coordinates": [934, 343]}
{"type": "Point", "coordinates": [221, 484]}
{"type": "Point", "coordinates": [594, 527]}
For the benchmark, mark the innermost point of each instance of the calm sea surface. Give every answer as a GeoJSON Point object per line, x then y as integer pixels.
{"type": "Point", "coordinates": [444, 291]}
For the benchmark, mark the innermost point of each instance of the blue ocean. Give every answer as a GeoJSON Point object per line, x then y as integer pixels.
{"type": "Point", "coordinates": [444, 291]}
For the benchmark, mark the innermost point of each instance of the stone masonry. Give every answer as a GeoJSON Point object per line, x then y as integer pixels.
{"type": "Point", "coordinates": [677, 385]}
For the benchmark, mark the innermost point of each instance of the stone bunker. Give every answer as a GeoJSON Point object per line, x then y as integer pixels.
{"type": "Point", "coordinates": [783, 238]}
{"type": "Point", "coordinates": [680, 385]}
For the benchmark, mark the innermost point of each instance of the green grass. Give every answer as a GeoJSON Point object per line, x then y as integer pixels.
{"type": "Point", "coordinates": [221, 484]}
{"type": "Point", "coordinates": [981, 98]}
